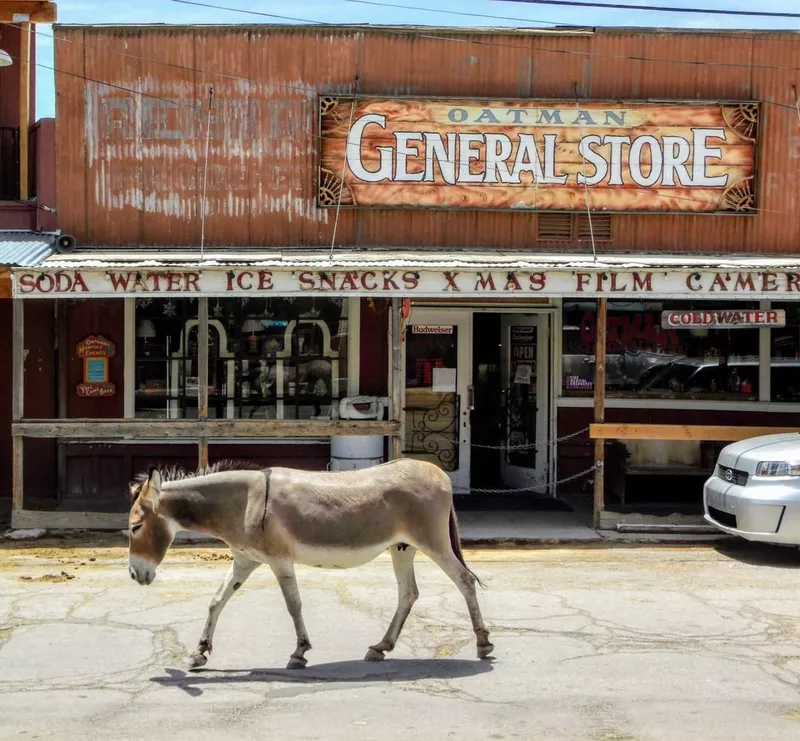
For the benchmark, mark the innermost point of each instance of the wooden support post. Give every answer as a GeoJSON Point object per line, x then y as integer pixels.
{"type": "Point", "coordinates": [397, 376]}
{"type": "Point", "coordinates": [17, 401]}
{"type": "Point", "coordinates": [600, 407]}
{"type": "Point", "coordinates": [62, 355]}
{"type": "Point", "coordinates": [24, 108]}
{"type": "Point", "coordinates": [202, 378]}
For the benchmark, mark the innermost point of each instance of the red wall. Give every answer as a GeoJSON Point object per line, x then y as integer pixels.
{"type": "Point", "coordinates": [86, 318]}
{"type": "Point", "coordinates": [374, 361]}
{"type": "Point", "coordinates": [40, 468]}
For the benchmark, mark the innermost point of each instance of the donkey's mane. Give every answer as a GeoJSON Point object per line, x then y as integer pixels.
{"type": "Point", "coordinates": [178, 473]}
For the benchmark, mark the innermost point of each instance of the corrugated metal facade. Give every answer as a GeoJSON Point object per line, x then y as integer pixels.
{"type": "Point", "coordinates": [130, 167]}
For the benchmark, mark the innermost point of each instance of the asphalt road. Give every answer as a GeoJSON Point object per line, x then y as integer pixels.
{"type": "Point", "coordinates": [601, 643]}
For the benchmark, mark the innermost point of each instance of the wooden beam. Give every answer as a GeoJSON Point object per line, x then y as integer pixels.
{"type": "Point", "coordinates": [720, 433]}
{"type": "Point", "coordinates": [129, 429]}
{"type": "Point", "coordinates": [17, 401]}
{"type": "Point", "coordinates": [5, 283]}
{"type": "Point", "coordinates": [17, 473]}
{"type": "Point", "coordinates": [396, 379]}
{"type": "Point", "coordinates": [68, 520]}
{"type": "Point", "coordinates": [37, 11]}
{"type": "Point", "coordinates": [61, 309]}
{"type": "Point", "coordinates": [24, 108]}
{"type": "Point", "coordinates": [18, 359]}
{"type": "Point", "coordinates": [202, 379]}
{"type": "Point", "coordinates": [600, 407]}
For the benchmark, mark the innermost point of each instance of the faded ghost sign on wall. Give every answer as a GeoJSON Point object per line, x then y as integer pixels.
{"type": "Point", "coordinates": [539, 155]}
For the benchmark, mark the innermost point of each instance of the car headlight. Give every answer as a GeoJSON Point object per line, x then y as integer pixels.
{"type": "Point", "coordinates": [778, 468]}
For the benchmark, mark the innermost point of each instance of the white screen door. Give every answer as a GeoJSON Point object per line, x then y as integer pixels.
{"type": "Point", "coordinates": [525, 381]}
{"type": "Point", "coordinates": [438, 367]}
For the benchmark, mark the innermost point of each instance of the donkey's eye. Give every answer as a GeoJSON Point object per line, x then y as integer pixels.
{"type": "Point", "coordinates": [136, 528]}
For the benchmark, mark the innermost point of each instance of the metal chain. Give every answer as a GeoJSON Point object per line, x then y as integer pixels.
{"type": "Point", "coordinates": [530, 490]}
{"type": "Point", "coordinates": [531, 446]}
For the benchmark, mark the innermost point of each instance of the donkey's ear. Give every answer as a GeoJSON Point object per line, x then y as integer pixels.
{"type": "Point", "coordinates": [155, 480]}
{"type": "Point", "coordinates": [151, 489]}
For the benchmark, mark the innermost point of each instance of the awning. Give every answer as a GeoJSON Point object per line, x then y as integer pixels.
{"type": "Point", "coordinates": [445, 273]}
{"type": "Point", "coordinates": [25, 248]}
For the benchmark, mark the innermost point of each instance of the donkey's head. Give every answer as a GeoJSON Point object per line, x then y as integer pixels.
{"type": "Point", "coordinates": [151, 533]}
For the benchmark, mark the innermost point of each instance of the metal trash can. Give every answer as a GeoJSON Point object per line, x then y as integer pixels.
{"type": "Point", "coordinates": [351, 452]}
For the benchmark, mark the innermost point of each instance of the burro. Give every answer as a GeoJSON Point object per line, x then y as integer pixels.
{"type": "Point", "coordinates": [284, 516]}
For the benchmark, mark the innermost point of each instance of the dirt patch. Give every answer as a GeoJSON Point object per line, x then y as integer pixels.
{"type": "Point", "coordinates": [49, 578]}
{"type": "Point", "coordinates": [213, 556]}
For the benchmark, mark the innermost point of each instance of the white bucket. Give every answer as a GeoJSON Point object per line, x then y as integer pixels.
{"type": "Point", "coordinates": [351, 452]}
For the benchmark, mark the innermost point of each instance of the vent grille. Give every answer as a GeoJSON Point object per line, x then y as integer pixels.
{"type": "Point", "coordinates": [574, 227]}
{"type": "Point", "coordinates": [555, 226]}
{"type": "Point", "coordinates": [600, 225]}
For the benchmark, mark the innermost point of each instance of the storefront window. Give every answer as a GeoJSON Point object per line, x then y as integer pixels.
{"type": "Point", "coordinates": [785, 355]}
{"type": "Point", "coordinates": [646, 360]}
{"type": "Point", "coordinates": [269, 358]}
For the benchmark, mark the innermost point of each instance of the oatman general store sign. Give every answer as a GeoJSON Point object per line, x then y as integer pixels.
{"type": "Point", "coordinates": [686, 283]}
{"type": "Point", "coordinates": [559, 155]}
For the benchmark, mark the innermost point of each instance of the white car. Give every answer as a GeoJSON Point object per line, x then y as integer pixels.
{"type": "Point", "coordinates": [754, 491]}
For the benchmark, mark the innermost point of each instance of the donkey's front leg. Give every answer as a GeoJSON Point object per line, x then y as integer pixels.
{"type": "Point", "coordinates": [240, 569]}
{"type": "Point", "coordinates": [284, 573]}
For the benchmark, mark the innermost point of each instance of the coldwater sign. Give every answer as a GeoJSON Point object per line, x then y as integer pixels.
{"type": "Point", "coordinates": [539, 155]}
{"type": "Point", "coordinates": [743, 319]}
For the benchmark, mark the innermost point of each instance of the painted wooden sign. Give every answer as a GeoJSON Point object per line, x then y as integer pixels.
{"type": "Point", "coordinates": [733, 319]}
{"type": "Point", "coordinates": [539, 155]}
{"type": "Point", "coordinates": [95, 351]}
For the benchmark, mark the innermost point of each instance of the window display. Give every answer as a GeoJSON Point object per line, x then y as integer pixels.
{"type": "Point", "coordinates": [647, 360]}
{"type": "Point", "coordinates": [785, 356]}
{"type": "Point", "coordinates": [269, 358]}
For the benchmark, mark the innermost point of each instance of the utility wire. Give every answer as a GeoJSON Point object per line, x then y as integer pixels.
{"type": "Point", "coordinates": [454, 32]}
{"type": "Point", "coordinates": [658, 8]}
{"type": "Point", "coordinates": [456, 12]}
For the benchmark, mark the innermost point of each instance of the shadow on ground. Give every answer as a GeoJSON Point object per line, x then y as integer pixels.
{"type": "Point", "coordinates": [760, 554]}
{"type": "Point", "coordinates": [313, 679]}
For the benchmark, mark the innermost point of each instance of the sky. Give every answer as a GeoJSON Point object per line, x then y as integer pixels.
{"type": "Point", "coordinates": [428, 12]}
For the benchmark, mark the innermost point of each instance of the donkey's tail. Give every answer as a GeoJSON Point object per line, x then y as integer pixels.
{"type": "Point", "coordinates": [455, 544]}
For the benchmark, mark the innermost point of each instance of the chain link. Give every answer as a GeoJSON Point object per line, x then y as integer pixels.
{"type": "Point", "coordinates": [530, 490]}
{"type": "Point", "coordinates": [531, 446]}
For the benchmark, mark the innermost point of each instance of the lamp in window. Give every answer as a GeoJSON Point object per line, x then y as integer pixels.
{"type": "Point", "coordinates": [250, 327]}
{"type": "Point", "coordinates": [146, 330]}
{"type": "Point", "coordinates": [5, 59]}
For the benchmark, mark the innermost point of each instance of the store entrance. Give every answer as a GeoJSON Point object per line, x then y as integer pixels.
{"type": "Point", "coordinates": [478, 399]}
{"type": "Point", "coordinates": [510, 418]}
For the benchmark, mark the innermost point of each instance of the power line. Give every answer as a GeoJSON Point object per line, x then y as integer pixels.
{"type": "Point", "coordinates": [453, 12]}
{"type": "Point", "coordinates": [658, 8]}
{"type": "Point", "coordinates": [417, 33]}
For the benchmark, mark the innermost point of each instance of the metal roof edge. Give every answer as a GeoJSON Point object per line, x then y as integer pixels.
{"type": "Point", "coordinates": [559, 30]}
{"type": "Point", "coordinates": [304, 259]}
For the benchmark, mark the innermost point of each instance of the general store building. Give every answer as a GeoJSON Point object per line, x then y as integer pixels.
{"type": "Point", "coordinates": [445, 220]}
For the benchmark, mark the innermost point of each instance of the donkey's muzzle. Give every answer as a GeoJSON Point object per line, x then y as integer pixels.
{"type": "Point", "coordinates": [141, 572]}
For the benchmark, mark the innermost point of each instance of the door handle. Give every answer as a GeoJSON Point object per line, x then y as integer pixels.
{"type": "Point", "coordinates": [470, 398]}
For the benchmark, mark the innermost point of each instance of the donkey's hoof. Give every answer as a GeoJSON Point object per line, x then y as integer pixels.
{"type": "Point", "coordinates": [297, 662]}
{"type": "Point", "coordinates": [485, 651]}
{"type": "Point", "coordinates": [197, 660]}
{"type": "Point", "coordinates": [374, 655]}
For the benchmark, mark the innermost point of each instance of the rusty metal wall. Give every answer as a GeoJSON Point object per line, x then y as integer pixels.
{"type": "Point", "coordinates": [130, 167]}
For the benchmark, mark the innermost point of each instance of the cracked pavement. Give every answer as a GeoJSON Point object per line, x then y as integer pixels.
{"type": "Point", "coordinates": [602, 643]}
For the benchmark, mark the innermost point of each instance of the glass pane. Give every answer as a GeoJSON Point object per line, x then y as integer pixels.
{"type": "Point", "coordinates": [785, 356]}
{"type": "Point", "coordinates": [646, 360]}
{"type": "Point", "coordinates": [270, 358]}
{"type": "Point", "coordinates": [432, 404]}
{"type": "Point", "coordinates": [521, 400]}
